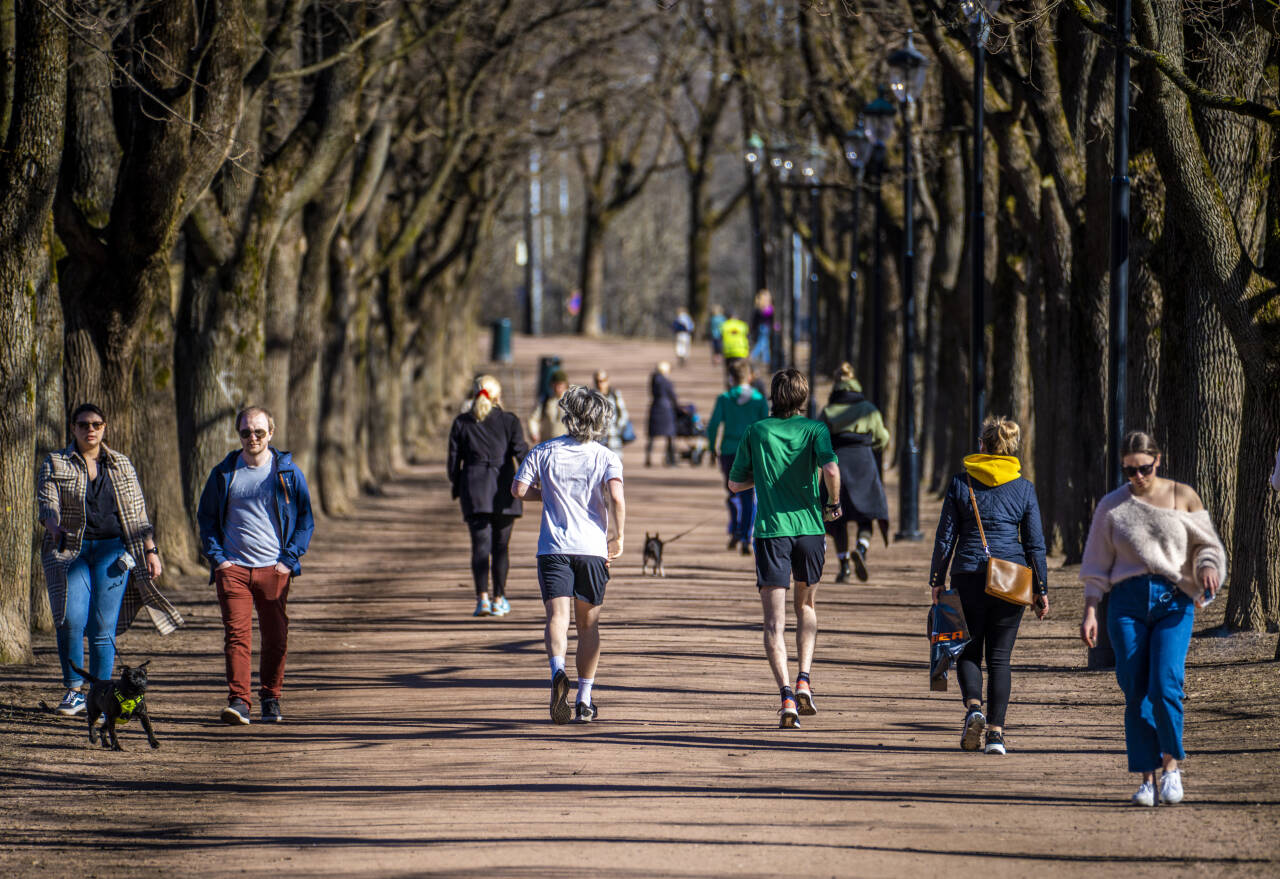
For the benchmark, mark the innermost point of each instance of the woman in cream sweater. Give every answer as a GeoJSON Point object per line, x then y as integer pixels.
{"type": "Point", "coordinates": [1153, 547]}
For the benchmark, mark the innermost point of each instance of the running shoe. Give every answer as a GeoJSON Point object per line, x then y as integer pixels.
{"type": "Point", "coordinates": [746, 547]}
{"type": "Point", "coordinates": [975, 723]}
{"type": "Point", "coordinates": [733, 543]}
{"type": "Point", "coordinates": [1145, 795]}
{"type": "Point", "coordinates": [995, 742]}
{"type": "Point", "coordinates": [859, 562]}
{"type": "Point", "coordinates": [560, 698]}
{"type": "Point", "coordinates": [236, 712]}
{"type": "Point", "coordinates": [845, 571]}
{"type": "Point", "coordinates": [483, 608]}
{"type": "Point", "coordinates": [271, 711]}
{"type": "Point", "coordinates": [804, 698]}
{"type": "Point", "coordinates": [788, 716]}
{"type": "Point", "coordinates": [71, 704]}
{"type": "Point", "coordinates": [1171, 787]}
{"type": "Point", "coordinates": [501, 607]}
{"type": "Point", "coordinates": [586, 712]}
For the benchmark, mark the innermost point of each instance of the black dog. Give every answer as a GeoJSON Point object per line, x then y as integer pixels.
{"type": "Point", "coordinates": [119, 702]}
{"type": "Point", "coordinates": [652, 555]}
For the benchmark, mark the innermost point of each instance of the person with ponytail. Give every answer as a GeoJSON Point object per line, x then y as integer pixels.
{"type": "Point", "coordinates": [857, 434]}
{"type": "Point", "coordinates": [1153, 549]}
{"type": "Point", "coordinates": [486, 444]}
{"type": "Point", "coordinates": [992, 482]}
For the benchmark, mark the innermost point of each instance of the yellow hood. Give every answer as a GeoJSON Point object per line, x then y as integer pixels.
{"type": "Point", "coordinates": [993, 470]}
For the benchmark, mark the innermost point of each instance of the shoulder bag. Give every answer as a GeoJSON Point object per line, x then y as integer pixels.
{"type": "Point", "coordinates": [1008, 581]}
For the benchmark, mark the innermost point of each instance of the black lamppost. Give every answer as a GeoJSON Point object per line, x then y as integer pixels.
{"type": "Point", "coordinates": [754, 158]}
{"type": "Point", "coordinates": [782, 264]}
{"type": "Point", "coordinates": [978, 13]}
{"type": "Point", "coordinates": [812, 171]}
{"type": "Point", "coordinates": [881, 116]}
{"type": "Point", "coordinates": [784, 167]}
{"type": "Point", "coordinates": [857, 148]}
{"type": "Point", "coordinates": [906, 78]}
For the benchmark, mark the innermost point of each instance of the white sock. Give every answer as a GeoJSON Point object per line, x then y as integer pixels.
{"type": "Point", "coordinates": [557, 664]}
{"type": "Point", "coordinates": [842, 555]}
{"type": "Point", "coordinates": [862, 546]}
{"type": "Point", "coordinates": [584, 690]}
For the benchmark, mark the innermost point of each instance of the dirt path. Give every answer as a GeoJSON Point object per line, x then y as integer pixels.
{"type": "Point", "coordinates": [417, 740]}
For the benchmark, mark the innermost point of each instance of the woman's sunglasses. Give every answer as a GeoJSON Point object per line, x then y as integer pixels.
{"type": "Point", "coordinates": [1144, 469]}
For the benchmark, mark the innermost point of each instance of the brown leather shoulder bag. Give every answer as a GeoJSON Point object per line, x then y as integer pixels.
{"type": "Point", "coordinates": [1009, 581]}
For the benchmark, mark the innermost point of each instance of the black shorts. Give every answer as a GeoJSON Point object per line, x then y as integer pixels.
{"type": "Point", "coordinates": [580, 576]}
{"type": "Point", "coordinates": [780, 559]}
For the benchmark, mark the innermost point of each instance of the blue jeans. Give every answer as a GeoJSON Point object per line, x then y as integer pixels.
{"type": "Point", "coordinates": [742, 506]}
{"type": "Point", "coordinates": [95, 590]}
{"type": "Point", "coordinates": [760, 351]}
{"type": "Point", "coordinates": [1149, 620]}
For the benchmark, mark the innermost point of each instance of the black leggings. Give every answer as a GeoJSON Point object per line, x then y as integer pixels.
{"type": "Point", "coordinates": [648, 450]}
{"type": "Point", "coordinates": [993, 627]}
{"type": "Point", "coordinates": [490, 534]}
{"type": "Point", "coordinates": [839, 531]}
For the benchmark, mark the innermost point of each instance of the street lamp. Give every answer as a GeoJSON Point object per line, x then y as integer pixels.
{"type": "Point", "coordinates": [978, 14]}
{"type": "Point", "coordinates": [812, 171]}
{"type": "Point", "coordinates": [881, 117]}
{"type": "Point", "coordinates": [907, 68]}
{"type": "Point", "coordinates": [857, 150]}
{"type": "Point", "coordinates": [754, 157]}
{"type": "Point", "coordinates": [784, 166]}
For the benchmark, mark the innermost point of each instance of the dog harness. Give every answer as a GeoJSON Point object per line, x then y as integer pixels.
{"type": "Point", "coordinates": [127, 706]}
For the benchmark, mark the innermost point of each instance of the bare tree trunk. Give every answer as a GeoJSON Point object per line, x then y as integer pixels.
{"type": "Point", "coordinates": [591, 275]}
{"type": "Point", "coordinates": [282, 325]}
{"type": "Point", "coordinates": [51, 415]}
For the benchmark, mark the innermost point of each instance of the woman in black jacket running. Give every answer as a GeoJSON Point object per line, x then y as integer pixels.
{"type": "Point", "coordinates": [1011, 521]}
{"type": "Point", "coordinates": [486, 445]}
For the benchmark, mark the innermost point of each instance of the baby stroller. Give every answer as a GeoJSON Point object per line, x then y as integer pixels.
{"type": "Point", "coordinates": [690, 426]}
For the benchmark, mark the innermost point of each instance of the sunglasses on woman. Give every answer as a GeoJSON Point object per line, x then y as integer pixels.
{"type": "Point", "coordinates": [1144, 469]}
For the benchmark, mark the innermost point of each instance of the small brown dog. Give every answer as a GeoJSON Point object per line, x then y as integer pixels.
{"type": "Point", "coordinates": [652, 555]}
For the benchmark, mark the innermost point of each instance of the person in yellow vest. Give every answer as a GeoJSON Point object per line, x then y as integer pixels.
{"type": "Point", "coordinates": [735, 341]}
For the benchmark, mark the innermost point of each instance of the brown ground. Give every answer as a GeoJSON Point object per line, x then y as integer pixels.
{"type": "Point", "coordinates": [417, 739]}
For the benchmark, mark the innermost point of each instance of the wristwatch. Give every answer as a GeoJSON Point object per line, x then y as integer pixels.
{"type": "Point", "coordinates": [152, 550]}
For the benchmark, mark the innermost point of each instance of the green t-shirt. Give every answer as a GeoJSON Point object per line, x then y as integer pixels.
{"type": "Point", "coordinates": [782, 456]}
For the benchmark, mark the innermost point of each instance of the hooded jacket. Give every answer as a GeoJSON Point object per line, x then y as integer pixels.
{"type": "Point", "coordinates": [1010, 518]}
{"type": "Point", "coordinates": [737, 409]}
{"type": "Point", "coordinates": [294, 522]}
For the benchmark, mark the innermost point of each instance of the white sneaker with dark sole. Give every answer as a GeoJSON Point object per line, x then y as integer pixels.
{"type": "Point", "coordinates": [975, 724]}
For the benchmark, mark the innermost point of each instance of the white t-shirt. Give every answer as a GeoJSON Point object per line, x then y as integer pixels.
{"type": "Point", "coordinates": [573, 478]}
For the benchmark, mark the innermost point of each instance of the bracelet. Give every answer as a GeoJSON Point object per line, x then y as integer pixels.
{"type": "Point", "coordinates": [153, 550]}
{"type": "Point", "coordinates": [834, 506]}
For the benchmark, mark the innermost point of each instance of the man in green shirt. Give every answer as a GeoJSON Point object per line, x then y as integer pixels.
{"type": "Point", "coordinates": [737, 409]}
{"type": "Point", "coordinates": [781, 457]}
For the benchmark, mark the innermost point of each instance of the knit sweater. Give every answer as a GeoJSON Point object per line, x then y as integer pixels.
{"type": "Point", "coordinates": [1129, 538]}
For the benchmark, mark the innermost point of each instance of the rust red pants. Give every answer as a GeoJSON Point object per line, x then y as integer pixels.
{"type": "Point", "coordinates": [240, 591]}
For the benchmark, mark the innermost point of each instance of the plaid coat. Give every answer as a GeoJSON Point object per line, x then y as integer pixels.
{"type": "Point", "coordinates": [60, 490]}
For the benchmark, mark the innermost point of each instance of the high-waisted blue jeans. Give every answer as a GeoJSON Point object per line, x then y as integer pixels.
{"type": "Point", "coordinates": [95, 590]}
{"type": "Point", "coordinates": [742, 506]}
{"type": "Point", "coordinates": [1149, 620]}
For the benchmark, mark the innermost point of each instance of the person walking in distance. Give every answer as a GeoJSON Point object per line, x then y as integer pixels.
{"type": "Point", "coordinates": [991, 485]}
{"type": "Point", "coordinates": [857, 435]}
{"type": "Point", "coordinates": [1152, 547]}
{"type": "Point", "coordinates": [99, 553]}
{"type": "Point", "coordinates": [255, 523]}
{"type": "Point", "coordinates": [485, 445]}
{"type": "Point", "coordinates": [734, 342]}
{"type": "Point", "coordinates": [662, 414]}
{"type": "Point", "coordinates": [683, 327]}
{"type": "Point", "coordinates": [579, 483]}
{"type": "Point", "coordinates": [737, 409]}
{"type": "Point", "coordinates": [545, 423]}
{"type": "Point", "coordinates": [621, 431]}
{"type": "Point", "coordinates": [715, 323]}
{"type": "Point", "coordinates": [782, 457]}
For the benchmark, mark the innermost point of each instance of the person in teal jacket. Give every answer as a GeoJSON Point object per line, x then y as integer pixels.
{"type": "Point", "coordinates": [737, 409]}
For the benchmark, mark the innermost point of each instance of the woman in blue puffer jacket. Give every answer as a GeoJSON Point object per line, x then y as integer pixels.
{"type": "Point", "coordinates": [1011, 520]}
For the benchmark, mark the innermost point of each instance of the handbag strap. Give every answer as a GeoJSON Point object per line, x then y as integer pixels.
{"type": "Point", "coordinates": [973, 500]}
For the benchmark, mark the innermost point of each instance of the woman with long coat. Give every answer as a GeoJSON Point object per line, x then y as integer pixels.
{"type": "Point", "coordinates": [662, 413]}
{"type": "Point", "coordinates": [486, 444]}
{"type": "Point", "coordinates": [99, 553]}
{"type": "Point", "coordinates": [857, 434]}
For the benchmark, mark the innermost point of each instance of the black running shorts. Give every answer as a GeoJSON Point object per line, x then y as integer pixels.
{"type": "Point", "coordinates": [779, 559]}
{"type": "Point", "coordinates": [580, 576]}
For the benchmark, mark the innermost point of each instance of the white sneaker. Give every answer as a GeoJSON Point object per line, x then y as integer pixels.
{"type": "Point", "coordinates": [1171, 787]}
{"type": "Point", "coordinates": [1146, 795]}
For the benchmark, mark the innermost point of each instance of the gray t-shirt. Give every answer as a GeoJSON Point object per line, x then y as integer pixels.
{"type": "Point", "coordinates": [250, 537]}
{"type": "Point", "coordinates": [575, 510]}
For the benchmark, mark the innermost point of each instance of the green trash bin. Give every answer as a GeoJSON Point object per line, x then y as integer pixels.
{"type": "Point", "coordinates": [500, 349]}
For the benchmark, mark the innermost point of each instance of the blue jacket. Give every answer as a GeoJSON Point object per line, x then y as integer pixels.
{"type": "Point", "coordinates": [294, 521]}
{"type": "Point", "coordinates": [1011, 519]}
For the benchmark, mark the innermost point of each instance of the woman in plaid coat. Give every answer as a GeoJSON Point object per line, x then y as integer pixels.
{"type": "Point", "coordinates": [99, 555]}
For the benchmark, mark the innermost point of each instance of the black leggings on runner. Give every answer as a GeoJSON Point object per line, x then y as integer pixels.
{"type": "Point", "coordinates": [839, 531]}
{"type": "Point", "coordinates": [993, 627]}
{"type": "Point", "coordinates": [490, 534]}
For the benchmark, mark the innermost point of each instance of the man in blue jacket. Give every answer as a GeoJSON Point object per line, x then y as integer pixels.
{"type": "Point", "coordinates": [255, 522]}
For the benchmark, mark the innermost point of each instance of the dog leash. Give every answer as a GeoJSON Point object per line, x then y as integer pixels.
{"type": "Point", "coordinates": [683, 533]}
